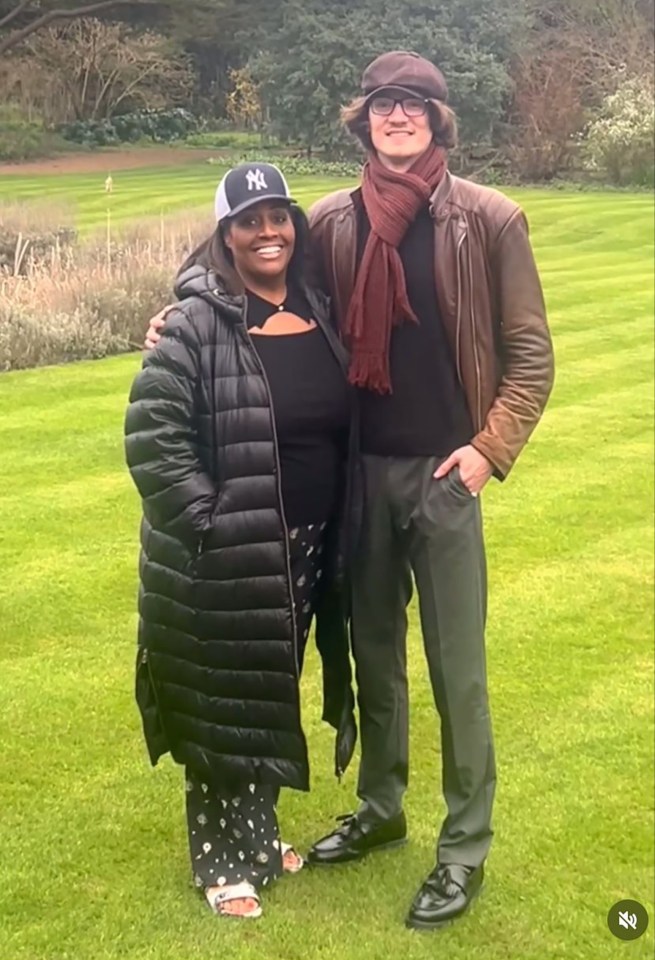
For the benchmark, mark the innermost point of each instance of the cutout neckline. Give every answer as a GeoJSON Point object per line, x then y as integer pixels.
{"type": "Point", "coordinates": [284, 324]}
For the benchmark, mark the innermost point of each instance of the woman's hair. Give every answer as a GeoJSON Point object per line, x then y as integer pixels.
{"type": "Point", "coordinates": [214, 253]}
{"type": "Point", "coordinates": [442, 120]}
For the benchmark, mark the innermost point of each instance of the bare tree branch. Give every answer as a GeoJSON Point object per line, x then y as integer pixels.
{"type": "Point", "coordinates": [14, 13]}
{"type": "Point", "coordinates": [12, 39]}
{"type": "Point", "coordinates": [97, 65]}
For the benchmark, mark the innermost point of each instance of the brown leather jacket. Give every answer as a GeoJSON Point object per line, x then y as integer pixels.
{"type": "Point", "coordinates": [490, 299]}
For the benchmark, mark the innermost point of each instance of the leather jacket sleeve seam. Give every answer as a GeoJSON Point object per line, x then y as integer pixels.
{"type": "Point", "coordinates": [514, 215]}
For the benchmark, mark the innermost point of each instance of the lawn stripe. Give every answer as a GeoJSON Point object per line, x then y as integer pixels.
{"type": "Point", "coordinates": [570, 548]}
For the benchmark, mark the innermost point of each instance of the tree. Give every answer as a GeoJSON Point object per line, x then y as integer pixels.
{"type": "Point", "coordinates": [243, 105]}
{"type": "Point", "coordinates": [19, 19]}
{"type": "Point", "coordinates": [312, 64]}
{"type": "Point", "coordinates": [546, 112]}
{"type": "Point", "coordinates": [221, 35]}
{"type": "Point", "coordinates": [99, 67]}
{"type": "Point", "coordinates": [576, 53]}
{"type": "Point", "coordinates": [608, 38]}
{"type": "Point", "coordinates": [621, 141]}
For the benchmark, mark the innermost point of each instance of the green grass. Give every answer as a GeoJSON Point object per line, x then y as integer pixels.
{"type": "Point", "coordinates": [142, 193]}
{"type": "Point", "coordinates": [94, 862]}
{"type": "Point", "coordinates": [233, 140]}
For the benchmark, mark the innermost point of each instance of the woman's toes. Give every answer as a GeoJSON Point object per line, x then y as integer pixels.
{"type": "Point", "coordinates": [291, 860]}
{"type": "Point", "coordinates": [237, 908]}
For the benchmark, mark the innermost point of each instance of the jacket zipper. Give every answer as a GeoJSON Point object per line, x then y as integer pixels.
{"type": "Point", "coordinates": [458, 326]}
{"type": "Point", "coordinates": [328, 335]}
{"type": "Point", "coordinates": [334, 271]}
{"type": "Point", "coordinates": [144, 659]}
{"type": "Point", "coordinates": [474, 338]}
{"type": "Point", "coordinates": [278, 479]}
{"type": "Point", "coordinates": [331, 337]}
{"type": "Point", "coordinates": [343, 366]}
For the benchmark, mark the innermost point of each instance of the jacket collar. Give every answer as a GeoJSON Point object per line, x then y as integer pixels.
{"type": "Point", "coordinates": [441, 196]}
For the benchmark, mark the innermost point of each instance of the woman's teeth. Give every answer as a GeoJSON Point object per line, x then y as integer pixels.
{"type": "Point", "coordinates": [269, 253]}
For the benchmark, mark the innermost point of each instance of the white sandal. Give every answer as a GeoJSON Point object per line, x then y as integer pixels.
{"type": "Point", "coordinates": [236, 891]}
{"type": "Point", "coordinates": [289, 848]}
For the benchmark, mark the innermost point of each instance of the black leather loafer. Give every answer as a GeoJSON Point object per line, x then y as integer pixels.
{"type": "Point", "coordinates": [353, 840]}
{"type": "Point", "coordinates": [445, 895]}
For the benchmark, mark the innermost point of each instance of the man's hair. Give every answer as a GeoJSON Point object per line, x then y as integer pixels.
{"type": "Point", "coordinates": [443, 121]}
{"type": "Point", "coordinates": [214, 253]}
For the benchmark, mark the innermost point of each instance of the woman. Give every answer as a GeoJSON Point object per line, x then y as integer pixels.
{"type": "Point", "coordinates": [236, 438]}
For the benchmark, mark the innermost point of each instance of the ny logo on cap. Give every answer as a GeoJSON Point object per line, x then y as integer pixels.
{"type": "Point", "coordinates": [256, 180]}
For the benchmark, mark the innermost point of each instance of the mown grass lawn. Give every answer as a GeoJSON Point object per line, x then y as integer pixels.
{"type": "Point", "coordinates": [93, 862]}
{"type": "Point", "coordinates": [137, 194]}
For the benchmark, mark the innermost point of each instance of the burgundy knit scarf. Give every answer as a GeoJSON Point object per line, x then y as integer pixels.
{"type": "Point", "coordinates": [379, 300]}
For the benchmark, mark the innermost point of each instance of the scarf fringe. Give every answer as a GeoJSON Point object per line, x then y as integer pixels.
{"type": "Point", "coordinates": [370, 372]}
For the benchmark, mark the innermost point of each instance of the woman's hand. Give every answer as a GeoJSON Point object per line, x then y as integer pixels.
{"type": "Point", "coordinates": [156, 323]}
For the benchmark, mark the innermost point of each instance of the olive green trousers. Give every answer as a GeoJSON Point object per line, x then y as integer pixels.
{"type": "Point", "coordinates": [414, 524]}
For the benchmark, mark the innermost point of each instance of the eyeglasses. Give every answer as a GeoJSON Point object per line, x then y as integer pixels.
{"type": "Point", "coordinates": [411, 106]}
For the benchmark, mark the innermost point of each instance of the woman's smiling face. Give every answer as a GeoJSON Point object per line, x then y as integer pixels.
{"type": "Point", "coordinates": [262, 240]}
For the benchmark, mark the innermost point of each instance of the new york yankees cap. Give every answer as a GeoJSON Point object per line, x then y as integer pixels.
{"type": "Point", "coordinates": [247, 184]}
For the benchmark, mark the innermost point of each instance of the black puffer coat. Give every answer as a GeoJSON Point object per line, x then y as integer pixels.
{"type": "Point", "coordinates": [217, 674]}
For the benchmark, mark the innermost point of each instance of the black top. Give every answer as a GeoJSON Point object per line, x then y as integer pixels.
{"type": "Point", "coordinates": [311, 408]}
{"type": "Point", "coordinates": [426, 414]}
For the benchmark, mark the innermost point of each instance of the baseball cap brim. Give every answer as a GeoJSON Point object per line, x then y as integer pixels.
{"type": "Point", "coordinates": [254, 201]}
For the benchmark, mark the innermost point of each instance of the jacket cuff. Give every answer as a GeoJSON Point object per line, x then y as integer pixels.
{"type": "Point", "coordinates": [501, 466]}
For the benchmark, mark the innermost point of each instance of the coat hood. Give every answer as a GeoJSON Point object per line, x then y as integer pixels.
{"type": "Point", "coordinates": [200, 281]}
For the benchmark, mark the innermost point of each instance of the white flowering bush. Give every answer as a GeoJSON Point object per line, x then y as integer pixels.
{"type": "Point", "coordinates": [621, 141]}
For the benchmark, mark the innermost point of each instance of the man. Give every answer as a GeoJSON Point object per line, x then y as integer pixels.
{"type": "Point", "coordinates": [437, 295]}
